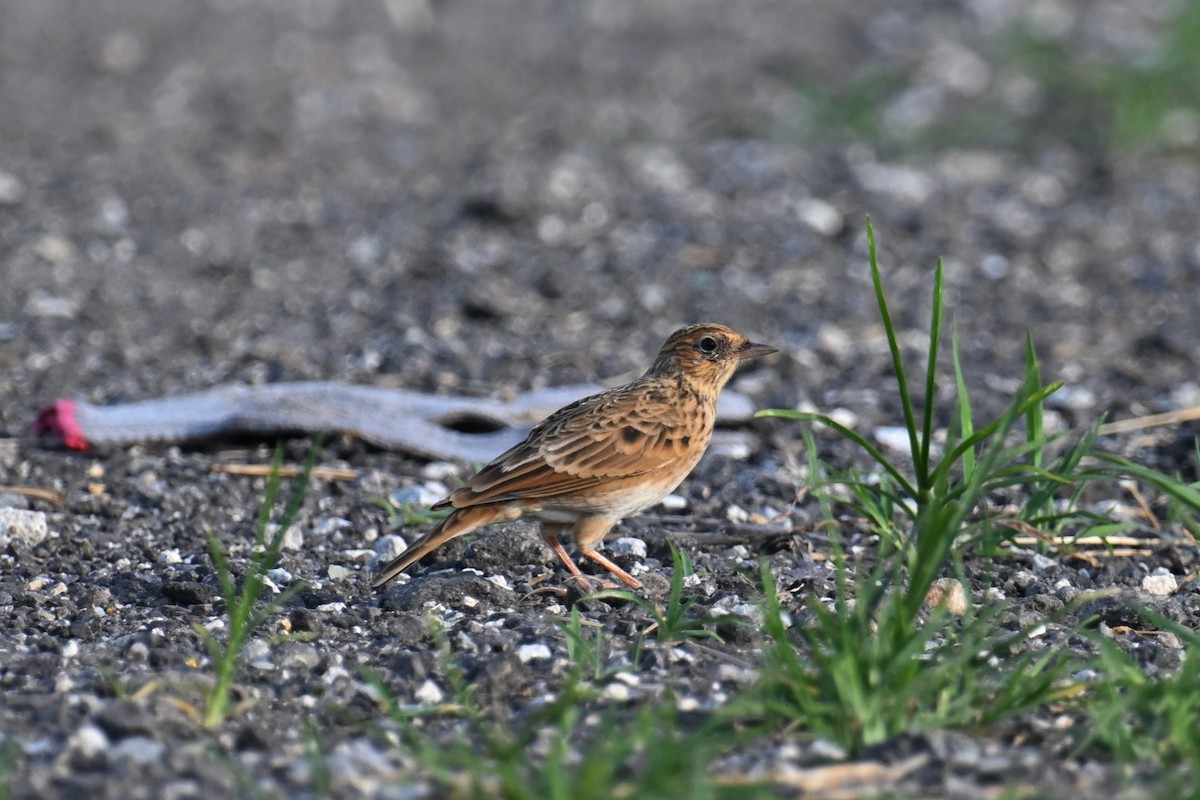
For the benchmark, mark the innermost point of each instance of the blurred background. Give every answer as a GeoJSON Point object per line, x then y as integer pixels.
{"type": "Point", "coordinates": [467, 197]}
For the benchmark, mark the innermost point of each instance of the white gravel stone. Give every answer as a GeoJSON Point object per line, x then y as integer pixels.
{"type": "Point", "coordinates": [331, 525]}
{"type": "Point", "coordinates": [137, 749]}
{"type": "Point", "coordinates": [170, 556]}
{"type": "Point", "coordinates": [88, 741]}
{"type": "Point", "coordinates": [736, 514]}
{"type": "Point", "coordinates": [429, 694]}
{"type": "Point", "coordinates": [618, 692]}
{"type": "Point", "coordinates": [533, 652]}
{"type": "Point", "coordinates": [819, 215]}
{"type": "Point", "coordinates": [280, 576]}
{"type": "Point", "coordinates": [293, 539]}
{"type": "Point", "coordinates": [1160, 582]}
{"type": "Point", "coordinates": [12, 191]}
{"type": "Point", "coordinates": [893, 438]}
{"type": "Point", "coordinates": [629, 545]}
{"type": "Point", "coordinates": [389, 547]}
{"type": "Point", "coordinates": [420, 496]}
{"type": "Point", "coordinates": [26, 526]}
{"type": "Point", "coordinates": [337, 572]}
{"type": "Point", "coordinates": [674, 502]}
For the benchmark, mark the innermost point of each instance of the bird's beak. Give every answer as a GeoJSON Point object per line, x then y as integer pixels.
{"type": "Point", "coordinates": [752, 350]}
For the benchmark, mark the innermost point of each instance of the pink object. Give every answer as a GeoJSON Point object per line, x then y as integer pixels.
{"type": "Point", "coordinates": [58, 419]}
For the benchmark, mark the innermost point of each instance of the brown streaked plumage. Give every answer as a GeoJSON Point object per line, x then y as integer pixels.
{"type": "Point", "coordinates": [602, 458]}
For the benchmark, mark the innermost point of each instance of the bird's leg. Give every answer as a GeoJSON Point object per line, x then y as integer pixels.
{"type": "Point", "coordinates": [590, 530]}
{"type": "Point", "coordinates": [550, 537]}
{"type": "Point", "coordinates": [602, 560]}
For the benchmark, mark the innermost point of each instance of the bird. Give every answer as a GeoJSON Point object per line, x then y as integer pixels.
{"type": "Point", "coordinates": [602, 458]}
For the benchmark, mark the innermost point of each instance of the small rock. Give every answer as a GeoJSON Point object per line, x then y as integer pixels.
{"type": "Point", "coordinates": [1159, 582]}
{"type": "Point", "coordinates": [293, 539]}
{"type": "Point", "coordinates": [389, 547]}
{"type": "Point", "coordinates": [139, 750]}
{"type": "Point", "coordinates": [616, 691]}
{"type": "Point", "coordinates": [533, 652]}
{"type": "Point", "coordinates": [25, 526]}
{"type": "Point", "coordinates": [826, 750]}
{"type": "Point", "coordinates": [439, 470]}
{"type": "Point", "coordinates": [299, 656]}
{"type": "Point", "coordinates": [170, 556]}
{"type": "Point", "coordinates": [280, 576]}
{"type": "Point", "coordinates": [48, 306]}
{"type": "Point", "coordinates": [893, 438]}
{"type": "Point", "coordinates": [819, 215]}
{"type": "Point", "coordinates": [53, 249]}
{"type": "Point", "coordinates": [337, 572]}
{"type": "Point", "coordinates": [12, 191]}
{"type": "Point", "coordinates": [331, 525]}
{"type": "Point", "coordinates": [630, 546]}
{"type": "Point", "coordinates": [1043, 563]}
{"type": "Point", "coordinates": [429, 694]}
{"type": "Point", "coordinates": [188, 593]}
{"type": "Point", "coordinates": [1072, 398]}
{"type": "Point", "coordinates": [674, 502]}
{"type": "Point", "coordinates": [89, 741]}
{"type": "Point", "coordinates": [419, 496]}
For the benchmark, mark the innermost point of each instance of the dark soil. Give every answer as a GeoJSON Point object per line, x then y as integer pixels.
{"type": "Point", "coordinates": [483, 197]}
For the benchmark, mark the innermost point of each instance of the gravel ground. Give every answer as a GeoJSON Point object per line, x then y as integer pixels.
{"type": "Point", "coordinates": [478, 198]}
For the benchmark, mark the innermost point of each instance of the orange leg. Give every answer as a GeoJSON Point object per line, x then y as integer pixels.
{"type": "Point", "coordinates": [550, 537]}
{"type": "Point", "coordinates": [626, 578]}
{"type": "Point", "coordinates": [589, 531]}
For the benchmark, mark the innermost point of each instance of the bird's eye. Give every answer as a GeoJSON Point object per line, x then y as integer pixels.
{"type": "Point", "coordinates": [707, 345]}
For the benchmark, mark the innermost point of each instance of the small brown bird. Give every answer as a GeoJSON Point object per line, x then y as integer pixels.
{"type": "Point", "coordinates": [602, 458]}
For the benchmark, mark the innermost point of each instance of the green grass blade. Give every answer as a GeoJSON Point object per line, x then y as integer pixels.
{"type": "Point", "coordinates": [966, 427]}
{"type": "Point", "coordinates": [894, 347]}
{"type": "Point", "coordinates": [921, 462]}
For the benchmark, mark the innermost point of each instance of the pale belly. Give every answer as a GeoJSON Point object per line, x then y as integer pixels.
{"type": "Point", "coordinates": [617, 503]}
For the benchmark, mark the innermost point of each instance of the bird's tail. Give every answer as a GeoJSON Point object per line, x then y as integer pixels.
{"type": "Point", "coordinates": [462, 521]}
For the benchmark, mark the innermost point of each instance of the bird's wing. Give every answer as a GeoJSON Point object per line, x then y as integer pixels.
{"type": "Point", "coordinates": [620, 433]}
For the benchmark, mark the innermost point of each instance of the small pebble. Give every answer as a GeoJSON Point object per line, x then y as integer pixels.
{"type": "Point", "coordinates": [618, 692]}
{"type": "Point", "coordinates": [337, 572]}
{"type": "Point", "coordinates": [88, 740]}
{"type": "Point", "coordinates": [819, 215]}
{"type": "Point", "coordinates": [827, 750]}
{"type": "Point", "coordinates": [533, 652]}
{"type": "Point", "coordinates": [429, 693]}
{"type": "Point", "coordinates": [21, 525]}
{"type": "Point", "coordinates": [418, 496]}
{"type": "Point", "coordinates": [293, 539]}
{"type": "Point", "coordinates": [674, 502]}
{"type": "Point", "coordinates": [389, 547]}
{"type": "Point", "coordinates": [170, 556]}
{"type": "Point", "coordinates": [893, 438]}
{"type": "Point", "coordinates": [331, 525]}
{"type": "Point", "coordinates": [629, 545]}
{"type": "Point", "coordinates": [138, 749]}
{"type": "Point", "coordinates": [1159, 582]}
{"type": "Point", "coordinates": [439, 470]}
{"type": "Point", "coordinates": [12, 191]}
{"type": "Point", "coordinates": [280, 576]}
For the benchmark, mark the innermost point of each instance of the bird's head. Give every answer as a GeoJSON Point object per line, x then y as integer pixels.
{"type": "Point", "coordinates": [706, 355]}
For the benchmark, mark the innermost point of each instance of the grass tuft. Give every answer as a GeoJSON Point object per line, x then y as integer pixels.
{"type": "Point", "coordinates": [244, 614]}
